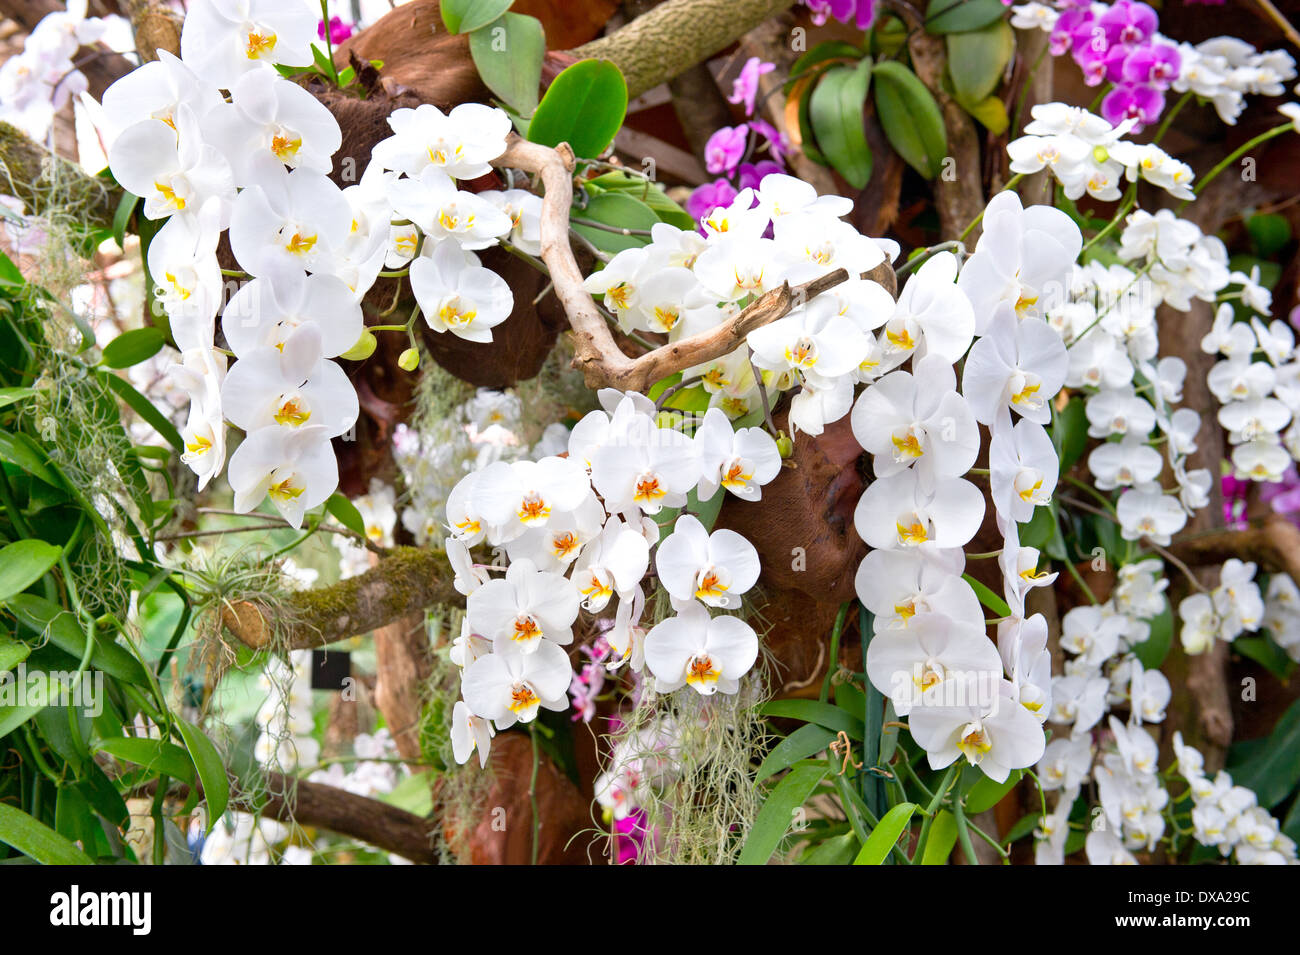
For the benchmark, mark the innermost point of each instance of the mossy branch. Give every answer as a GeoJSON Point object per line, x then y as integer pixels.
{"type": "Point", "coordinates": [44, 181]}
{"type": "Point", "coordinates": [408, 579]}
{"type": "Point", "coordinates": [675, 36]}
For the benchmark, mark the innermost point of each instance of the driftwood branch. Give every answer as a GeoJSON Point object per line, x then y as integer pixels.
{"type": "Point", "coordinates": [408, 579]}
{"type": "Point", "coordinates": [156, 27]}
{"type": "Point", "coordinates": [596, 353]}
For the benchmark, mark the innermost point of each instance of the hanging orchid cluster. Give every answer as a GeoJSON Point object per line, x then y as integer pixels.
{"type": "Point", "coordinates": [1118, 44]}
{"type": "Point", "coordinates": [257, 165]}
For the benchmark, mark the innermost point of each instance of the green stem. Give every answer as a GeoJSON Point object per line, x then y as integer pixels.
{"type": "Point", "coordinates": [835, 650]}
{"type": "Point", "coordinates": [1235, 155]}
{"type": "Point", "coordinates": [963, 832]}
{"type": "Point", "coordinates": [1169, 116]}
{"type": "Point", "coordinates": [1129, 200]}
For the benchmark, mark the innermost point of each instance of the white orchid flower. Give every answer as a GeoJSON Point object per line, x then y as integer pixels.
{"type": "Point", "coordinates": [171, 166]}
{"type": "Point", "coordinates": [527, 608]}
{"type": "Point", "coordinates": [742, 460]}
{"type": "Point", "coordinates": [894, 512]}
{"type": "Point", "coordinates": [458, 295]}
{"type": "Point", "coordinates": [285, 222]}
{"type": "Point", "coordinates": [997, 739]}
{"type": "Point", "coordinates": [295, 467]}
{"type": "Point", "coordinates": [291, 387]}
{"type": "Point", "coordinates": [270, 116]}
{"type": "Point", "coordinates": [914, 667]}
{"type": "Point", "coordinates": [1017, 365]}
{"type": "Point", "coordinates": [265, 312]}
{"type": "Point", "coordinates": [468, 734]}
{"type": "Point", "coordinates": [460, 144]}
{"type": "Point", "coordinates": [712, 568]}
{"type": "Point", "coordinates": [509, 686]}
{"type": "Point", "coordinates": [433, 203]}
{"type": "Point", "coordinates": [709, 655]}
{"type": "Point", "coordinates": [223, 39]}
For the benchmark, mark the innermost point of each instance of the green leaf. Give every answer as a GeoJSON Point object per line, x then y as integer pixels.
{"type": "Point", "coordinates": [20, 450]}
{"type": "Point", "coordinates": [992, 113]}
{"type": "Point", "coordinates": [583, 107]}
{"type": "Point", "coordinates": [39, 691]}
{"type": "Point", "coordinates": [45, 617]}
{"type": "Point", "coordinates": [12, 652]}
{"type": "Point", "coordinates": [987, 597]}
{"type": "Point", "coordinates": [36, 840]}
{"type": "Point", "coordinates": [976, 60]}
{"type": "Point", "coordinates": [885, 835]}
{"type": "Point", "coordinates": [133, 347]}
{"type": "Point", "coordinates": [1153, 650]}
{"type": "Point", "coordinates": [1266, 653]}
{"type": "Point", "coordinates": [837, 850]}
{"type": "Point", "coordinates": [465, 16]}
{"type": "Point", "coordinates": [212, 771]}
{"type": "Point", "coordinates": [943, 836]}
{"type": "Point", "coordinates": [1025, 825]}
{"type": "Point", "coordinates": [508, 53]}
{"type": "Point", "coordinates": [774, 819]}
{"type": "Point", "coordinates": [651, 193]}
{"type": "Point", "coordinates": [24, 562]}
{"type": "Point", "coordinates": [620, 211]}
{"type": "Point", "coordinates": [820, 55]}
{"type": "Point", "coordinates": [910, 118]}
{"type": "Point", "coordinates": [836, 112]}
{"type": "Point", "coordinates": [145, 409]}
{"type": "Point", "coordinates": [986, 793]}
{"type": "Point", "coordinates": [10, 276]}
{"type": "Point", "coordinates": [1269, 232]}
{"type": "Point", "coordinates": [808, 740]}
{"type": "Point", "coordinates": [125, 207]}
{"type": "Point", "coordinates": [1070, 433]}
{"type": "Point", "coordinates": [955, 16]}
{"type": "Point", "coordinates": [9, 396]}
{"type": "Point", "coordinates": [1274, 773]}
{"type": "Point", "coordinates": [813, 711]}
{"type": "Point", "coordinates": [158, 757]}
{"type": "Point", "coordinates": [346, 513]}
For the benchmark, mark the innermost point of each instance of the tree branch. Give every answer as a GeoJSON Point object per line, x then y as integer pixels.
{"type": "Point", "coordinates": [156, 27]}
{"type": "Point", "coordinates": [1274, 545]}
{"type": "Point", "coordinates": [35, 175]}
{"type": "Point", "coordinates": [675, 36]}
{"type": "Point", "coordinates": [596, 353]}
{"type": "Point", "coordinates": [408, 579]}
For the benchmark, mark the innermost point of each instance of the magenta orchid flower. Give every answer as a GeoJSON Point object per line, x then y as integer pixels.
{"type": "Point", "coordinates": [745, 88]}
{"type": "Point", "coordinates": [725, 148]}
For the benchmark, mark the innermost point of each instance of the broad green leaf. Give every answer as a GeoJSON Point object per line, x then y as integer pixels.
{"type": "Point", "coordinates": [465, 16]}
{"type": "Point", "coordinates": [9, 396]}
{"type": "Point", "coordinates": [808, 740]}
{"type": "Point", "coordinates": [987, 597]}
{"type": "Point", "coordinates": [10, 276]}
{"type": "Point", "coordinates": [1264, 651]}
{"type": "Point", "coordinates": [837, 850]}
{"type": "Point", "coordinates": [1153, 650]}
{"type": "Point", "coordinates": [133, 347]}
{"type": "Point", "coordinates": [1274, 773]}
{"type": "Point", "coordinates": [1025, 825]}
{"type": "Point", "coordinates": [837, 121]}
{"type": "Point", "coordinates": [910, 118]}
{"type": "Point", "coordinates": [24, 562]}
{"type": "Point", "coordinates": [976, 60]}
{"type": "Point", "coordinates": [36, 694]}
{"type": "Point", "coordinates": [145, 409]}
{"type": "Point", "coordinates": [992, 113]}
{"type": "Point", "coordinates": [820, 55]}
{"type": "Point", "coordinates": [778, 812]}
{"type": "Point", "coordinates": [36, 840]}
{"type": "Point", "coordinates": [1070, 433]}
{"type": "Point", "coordinates": [986, 793]}
{"type": "Point", "coordinates": [125, 207]}
{"type": "Point", "coordinates": [943, 836]}
{"type": "Point", "coordinates": [583, 107]}
{"type": "Point", "coordinates": [20, 450]}
{"type": "Point", "coordinates": [346, 513]}
{"type": "Point", "coordinates": [618, 210]}
{"type": "Point", "coordinates": [1270, 232]}
{"type": "Point", "coordinates": [12, 652]}
{"type": "Point", "coordinates": [885, 835]}
{"type": "Point", "coordinates": [44, 617]}
{"type": "Point", "coordinates": [508, 54]}
{"type": "Point", "coordinates": [953, 16]}
{"type": "Point", "coordinates": [212, 771]}
{"type": "Point", "coordinates": [163, 759]}
{"type": "Point", "coordinates": [813, 711]}
{"type": "Point", "coordinates": [651, 193]}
